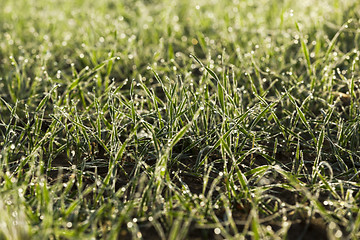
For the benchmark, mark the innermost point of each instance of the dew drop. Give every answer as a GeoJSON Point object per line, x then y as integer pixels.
{"type": "Point", "coordinates": [338, 234]}
{"type": "Point", "coordinates": [291, 12]}
{"type": "Point", "coordinates": [332, 225]}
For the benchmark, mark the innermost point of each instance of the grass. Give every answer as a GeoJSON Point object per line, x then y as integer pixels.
{"type": "Point", "coordinates": [179, 119]}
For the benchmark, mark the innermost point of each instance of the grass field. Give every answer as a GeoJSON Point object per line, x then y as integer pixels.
{"type": "Point", "coordinates": [183, 119]}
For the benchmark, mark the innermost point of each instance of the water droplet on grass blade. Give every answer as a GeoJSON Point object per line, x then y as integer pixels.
{"type": "Point", "coordinates": [338, 234]}
{"type": "Point", "coordinates": [217, 231]}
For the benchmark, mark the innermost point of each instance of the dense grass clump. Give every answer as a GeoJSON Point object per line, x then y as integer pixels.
{"type": "Point", "coordinates": [179, 119]}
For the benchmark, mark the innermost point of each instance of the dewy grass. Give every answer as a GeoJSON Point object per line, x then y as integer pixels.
{"type": "Point", "coordinates": [179, 119]}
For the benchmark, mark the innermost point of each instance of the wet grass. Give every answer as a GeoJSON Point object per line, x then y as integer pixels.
{"type": "Point", "coordinates": [179, 119]}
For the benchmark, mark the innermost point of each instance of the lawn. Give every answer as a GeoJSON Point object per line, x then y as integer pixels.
{"type": "Point", "coordinates": [179, 119]}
